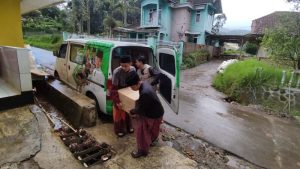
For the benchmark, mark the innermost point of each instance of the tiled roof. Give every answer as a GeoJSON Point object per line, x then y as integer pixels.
{"type": "Point", "coordinates": [271, 21]}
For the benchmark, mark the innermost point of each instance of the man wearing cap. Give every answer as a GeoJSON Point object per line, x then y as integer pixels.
{"type": "Point", "coordinates": [148, 114]}
{"type": "Point", "coordinates": [122, 121]}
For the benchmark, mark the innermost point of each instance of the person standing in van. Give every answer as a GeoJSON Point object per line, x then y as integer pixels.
{"type": "Point", "coordinates": [122, 121]}
{"type": "Point", "coordinates": [146, 72]}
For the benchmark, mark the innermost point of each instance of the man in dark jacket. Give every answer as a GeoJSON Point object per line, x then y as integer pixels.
{"type": "Point", "coordinates": [148, 114]}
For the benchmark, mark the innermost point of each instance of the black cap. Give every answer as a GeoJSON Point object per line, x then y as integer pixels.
{"type": "Point", "coordinates": [132, 79]}
{"type": "Point", "coordinates": [125, 59]}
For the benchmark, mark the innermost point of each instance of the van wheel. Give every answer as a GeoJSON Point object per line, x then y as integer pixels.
{"type": "Point", "coordinates": [91, 96]}
{"type": "Point", "coordinates": [56, 76]}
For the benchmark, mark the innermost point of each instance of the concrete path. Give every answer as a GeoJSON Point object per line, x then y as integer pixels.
{"type": "Point", "coordinates": [264, 140]}
{"type": "Point", "coordinates": [19, 135]}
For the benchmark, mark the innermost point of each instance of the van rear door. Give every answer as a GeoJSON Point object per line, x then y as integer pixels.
{"type": "Point", "coordinates": [168, 64]}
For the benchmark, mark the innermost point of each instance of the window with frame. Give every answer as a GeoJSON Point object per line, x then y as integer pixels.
{"type": "Point", "coordinates": [159, 16]}
{"type": "Point", "coordinates": [198, 16]}
{"type": "Point", "coordinates": [77, 54]}
{"type": "Point", "coordinates": [151, 14]}
{"type": "Point", "coordinates": [63, 51]}
{"type": "Point", "coordinates": [167, 63]}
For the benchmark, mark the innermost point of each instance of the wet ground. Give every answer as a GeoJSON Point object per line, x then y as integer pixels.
{"type": "Point", "coordinates": [265, 140]}
{"type": "Point", "coordinates": [44, 57]}
{"type": "Point", "coordinates": [261, 139]}
{"type": "Point", "coordinates": [193, 152]}
{"type": "Point", "coordinates": [52, 153]}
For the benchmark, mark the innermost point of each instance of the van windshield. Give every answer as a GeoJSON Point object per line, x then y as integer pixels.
{"type": "Point", "coordinates": [134, 52]}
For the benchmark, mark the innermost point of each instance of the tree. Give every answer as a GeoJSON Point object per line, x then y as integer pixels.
{"type": "Point", "coordinates": [283, 41]}
{"type": "Point", "coordinates": [126, 7]}
{"type": "Point", "coordinates": [296, 4]}
{"type": "Point", "coordinates": [218, 23]}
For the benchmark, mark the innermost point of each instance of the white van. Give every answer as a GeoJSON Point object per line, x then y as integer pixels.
{"type": "Point", "coordinates": [87, 65]}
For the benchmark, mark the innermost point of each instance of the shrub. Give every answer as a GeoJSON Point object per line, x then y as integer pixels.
{"type": "Point", "coordinates": [251, 48]}
{"type": "Point", "coordinates": [245, 77]}
{"type": "Point", "coordinates": [231, 52]}
{"type": "Point", "coordinates": [195, 58]}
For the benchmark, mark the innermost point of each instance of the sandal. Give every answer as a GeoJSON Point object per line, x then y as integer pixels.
{"type": "Point", "coordinates": [138, 154]}
{"type": "Point", "coordinates": [121, 134]}
{"type": "Point", "coordinates": [131, 130]}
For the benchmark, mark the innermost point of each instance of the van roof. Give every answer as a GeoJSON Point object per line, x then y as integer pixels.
{"type": "Point", "coordinates": [116, 43]}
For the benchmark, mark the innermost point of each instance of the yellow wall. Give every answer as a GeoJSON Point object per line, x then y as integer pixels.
{"type": "Point", "coordinates": [10, 23]}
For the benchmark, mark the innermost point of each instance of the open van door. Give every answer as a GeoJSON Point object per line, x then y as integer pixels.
{"type": "Point", "coordinates": [169, 66]}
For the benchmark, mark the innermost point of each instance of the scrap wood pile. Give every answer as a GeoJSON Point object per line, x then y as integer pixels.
{"type": "Point", "coordinates": [84, 146]}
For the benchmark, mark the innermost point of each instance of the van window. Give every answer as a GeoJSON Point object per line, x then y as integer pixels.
{"type": "Point", "coordinates": [77, 53]}
{"type": "Point", "coordinates": [134, 52]}
{"type": "Point", "coordinates": [167, 63]}
{"type": "Point", "coordinates": [62, 51]}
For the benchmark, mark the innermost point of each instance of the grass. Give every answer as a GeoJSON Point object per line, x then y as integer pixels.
{"type": "Point", "coordinates": [242, 78]}
{"type": "Point", "coordinates": [232, 52]}
{"type": "Point", "coordinates": [45, 41]}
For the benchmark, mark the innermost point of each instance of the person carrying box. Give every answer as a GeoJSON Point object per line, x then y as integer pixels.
{"type": "Point", "coordinates": [148, 114]}
{"type": "Point", "coordinates": [122, 120]}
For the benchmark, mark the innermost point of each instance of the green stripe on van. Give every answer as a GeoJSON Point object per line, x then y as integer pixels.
{"type": "Point", "coordinates": [177, 68]}
{"type": "Point", "coordinates": [109, 107]}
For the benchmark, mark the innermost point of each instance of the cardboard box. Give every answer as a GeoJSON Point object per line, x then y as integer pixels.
{"type": "Point", "coordinates": [128, 97]}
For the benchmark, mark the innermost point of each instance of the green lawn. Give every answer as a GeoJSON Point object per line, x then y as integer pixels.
{"type": "Point", "coordinates": [45, 41]}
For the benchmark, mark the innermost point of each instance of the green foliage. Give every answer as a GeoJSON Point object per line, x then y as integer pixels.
{"type": "Point", "coordinates": [90, 14]}
{"type": "Point", "coordinates": [296, 113]}
{"type": "Point", "coordinates": [231, 52]}
{"type": "Point", "coordinates": [83, 16]}
{"type": "Point", "coordinates": [48, 20]}
{"type": "Point", "coordinates": [245, 77]}
{"type": "Point", "coordinates": [195, 58]}
{"type": "Point", "coordinates": [45, 41]}
{"type": "Point", "coordinates": [251, 48]}
{"type": "Point", "coordinates": [283, 41]}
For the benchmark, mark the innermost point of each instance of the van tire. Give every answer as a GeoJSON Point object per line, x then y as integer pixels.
{"type": "Point", "coordinates": [92, 96]}
{"type": "Point", "coordinates": [56, 76]}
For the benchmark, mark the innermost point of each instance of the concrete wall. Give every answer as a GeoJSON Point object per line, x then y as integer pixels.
{"type": "Point", "coordinates": [9, 69]}
{"type": "Point", "coordinates": [192, 47]}
{"type": "Point", "coordinates": [166, 20]}
{"type": "Point", "coordinates": [10, 21]}
{"type": "Point", "coordinates": [15, 68]}
{"type": "Point", "coordinates": [146, 5]}
{"type": "Point", "coordinates": [205, 24]}
{"type": "Point", "coordinates": [262, 52]}
{"type": "Point", "coordinates": [180, 23]}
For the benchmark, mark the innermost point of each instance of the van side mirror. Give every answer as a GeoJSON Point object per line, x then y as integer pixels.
{"type": "Point", "coordinates": [55, 53]}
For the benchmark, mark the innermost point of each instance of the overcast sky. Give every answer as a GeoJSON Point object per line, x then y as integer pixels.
{"type": "Point", "coordinates": [240, 13]}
